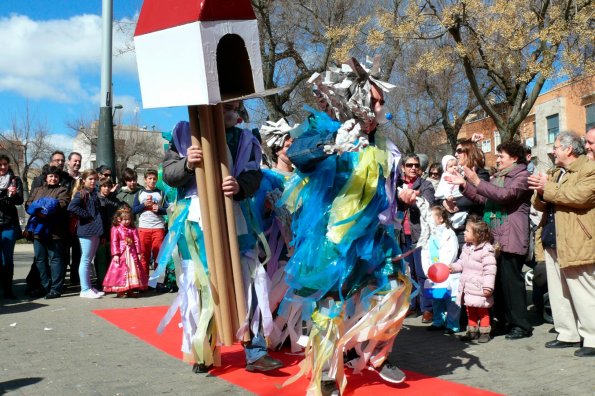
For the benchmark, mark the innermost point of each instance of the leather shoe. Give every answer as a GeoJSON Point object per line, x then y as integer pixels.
{"type": "Point", "coordinates": [517, 333]}
{"type": "Point", "coordinates": [562, 344]}
{"type": "Point", "coordinates": [265, 363]}
{"type": "Point", "coordinates": [426, 317]}
{"type": "Point", "coordinates": [52, 294]}
{"type": "Point", "coordinates": [585, 352]}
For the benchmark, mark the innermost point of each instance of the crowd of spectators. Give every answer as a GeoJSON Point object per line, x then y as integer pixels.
{"type": "Point", "coordinates": [71, 212]}
{"type": "Point", "coordinates": [70, 222]}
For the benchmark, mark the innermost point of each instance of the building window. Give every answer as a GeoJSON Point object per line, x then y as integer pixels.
{"type": "Point", "coordinates": [590, 112]}
{"type": "Point", "coordinates": [497, 139]}
{"type": "Point", "coordinates": [553, 127]}
{"type": "Point", "coordinates": [486, 145]}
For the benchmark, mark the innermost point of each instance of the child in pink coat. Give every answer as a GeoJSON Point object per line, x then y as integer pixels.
{"type": "Point", "coordinates": [125, 273]}
{"type": "Point", "coordinates": [476, 286]}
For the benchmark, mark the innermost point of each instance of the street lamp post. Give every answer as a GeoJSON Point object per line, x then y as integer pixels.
{"type": "Point", "coordinates": [105, 137]}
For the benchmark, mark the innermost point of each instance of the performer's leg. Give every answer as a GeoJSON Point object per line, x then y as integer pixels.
{"type": "Point", "coordinates": [257, 357]}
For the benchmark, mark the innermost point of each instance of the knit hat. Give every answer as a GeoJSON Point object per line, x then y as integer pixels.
{"type": "Point", "coordinates": [445, 160]}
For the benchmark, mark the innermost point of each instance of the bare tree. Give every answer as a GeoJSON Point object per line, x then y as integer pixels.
{"type": "Point", "coordinates": [135, 146]}
{"type": "Point", "coordinates": [294, 44]}
{"type": "Point", "coordinates": [26, 143]}
{"type": "Point", "coordinates": [517, 45]}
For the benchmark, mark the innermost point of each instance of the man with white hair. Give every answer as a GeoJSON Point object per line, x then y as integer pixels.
{"type": "Point", "coordinates": [569, 192]}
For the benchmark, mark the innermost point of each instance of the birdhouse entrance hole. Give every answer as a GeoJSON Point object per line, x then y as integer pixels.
{"type": "Point", "coordinates": [233, 68]}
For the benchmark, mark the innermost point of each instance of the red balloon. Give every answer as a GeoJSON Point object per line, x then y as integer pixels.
{"type": "Point", "coordinates": [438, 272]}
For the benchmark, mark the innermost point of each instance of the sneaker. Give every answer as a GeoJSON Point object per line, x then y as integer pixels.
{"type": "Point", "coordinates": [265, 363]}
{"type": "Point", "coordinates": [98, 292]}
{"type": "Point", "coordinates": [89, 294]}
{"type": "Point", "coordinates": [390, 373]}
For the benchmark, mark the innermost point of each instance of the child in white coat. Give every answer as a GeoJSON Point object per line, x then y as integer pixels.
{"type": "Point", "coordinates": [449, 191]}
{"type": "Point", "coordinates": [442, 247]}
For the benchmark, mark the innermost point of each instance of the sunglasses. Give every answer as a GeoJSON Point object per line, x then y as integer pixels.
{"type": "Point", "coordinates": [412, 165]}
{"type": "Point", "coordinates": [460, 150]}
{"type": "Point", "coordinates": [106, 174]}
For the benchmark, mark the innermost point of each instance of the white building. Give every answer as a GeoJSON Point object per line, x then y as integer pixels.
{"type": "Point", "coordinates": [136, 147]}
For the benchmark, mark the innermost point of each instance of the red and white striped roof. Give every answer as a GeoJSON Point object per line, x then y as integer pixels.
{"type": "Point", "coordinates": [158, 15]}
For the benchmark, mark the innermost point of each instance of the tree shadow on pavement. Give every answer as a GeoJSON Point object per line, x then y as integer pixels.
{"type": "Point", "coordinates": [432, 353]}
{"type": "Point", "coordinates": [19, 306]}
{"type": "Point", "coordinates": [14, 384]}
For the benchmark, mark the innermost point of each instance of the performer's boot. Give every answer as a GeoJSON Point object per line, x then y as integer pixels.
{"type": "Point", "coordinates": [328, 386]}
{"type": "Point", "coordinates": [200, 368]}
{"type": "Point", "coordinates": [265, 363]}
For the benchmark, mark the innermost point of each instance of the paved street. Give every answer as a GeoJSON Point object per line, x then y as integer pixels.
{"type": "Point", "coordinates": [59, 347]}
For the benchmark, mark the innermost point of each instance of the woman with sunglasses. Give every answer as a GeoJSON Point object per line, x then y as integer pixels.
{"type": "Point", "coordinates": [411, 227]}
{"type": "Point", "coordinates": [468, 155]}
{"type": "Point", "coordinates": [434, 174]}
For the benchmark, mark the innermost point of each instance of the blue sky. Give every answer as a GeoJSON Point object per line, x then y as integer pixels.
{"type": "Point", "coordinates": [51, 59]}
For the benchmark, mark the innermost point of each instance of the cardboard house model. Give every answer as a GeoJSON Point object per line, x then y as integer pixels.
{"type": "Point", "coordinates": [197, 52]}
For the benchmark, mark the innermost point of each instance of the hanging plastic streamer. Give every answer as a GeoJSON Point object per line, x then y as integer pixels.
{"type": "Point", "coordinates": [327, 327]}
{"type": "Point", "coordinates": [358, 192]}
{"type": "Point", "coordinates": [371, 332]}
{"type": "Point", "coordinates": [194, 299]}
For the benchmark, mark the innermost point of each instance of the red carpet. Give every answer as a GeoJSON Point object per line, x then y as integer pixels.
{"type": "Point", "coordinates": [142, 322]}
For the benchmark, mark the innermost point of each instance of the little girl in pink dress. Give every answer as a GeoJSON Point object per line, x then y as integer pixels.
{"type": "Point", "coordinates": [125, 273]}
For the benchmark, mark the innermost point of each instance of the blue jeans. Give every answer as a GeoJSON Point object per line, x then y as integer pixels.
{"type": "Point", "coordinates": [88, 249]}
{"type": "Point", "coordinates": [417, 273]}
{"type": "Point", "coordinates": [8, 237]}
{"type": "Point", "coordinates": [446, 313]}
{"type": "Point", "coordinates": [256, 349]}
{"type": "Point", "coordinates": [49, 262]}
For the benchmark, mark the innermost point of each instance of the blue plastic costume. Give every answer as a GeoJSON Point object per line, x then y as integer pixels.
{"type": "Point", "coordinates": [344, 210]}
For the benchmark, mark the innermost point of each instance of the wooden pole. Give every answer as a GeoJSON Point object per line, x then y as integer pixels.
{"type": "Point", "coordinates": [234, 249]}
{"type": "Point", "coordinates": [213, 183]}
{"type": "Point", "coordinates": [217, 213]}
{"type": "Point", "coordinates": [201, 183]}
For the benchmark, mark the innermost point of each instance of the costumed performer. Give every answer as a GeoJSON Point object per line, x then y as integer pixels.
{"type": "Point", "coordinates": [276, 223]}
{"type": "Point", "coordinates": [194, 296]}
{"type": "Point", "coordinates": [344, 213]}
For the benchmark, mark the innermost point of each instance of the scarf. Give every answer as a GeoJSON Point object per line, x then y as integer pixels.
{"type": "Point", "coordinates": [494, 214]}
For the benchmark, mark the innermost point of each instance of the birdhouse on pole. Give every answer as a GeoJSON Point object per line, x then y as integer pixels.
{"type": "Point", "coordinates": [197, 52]}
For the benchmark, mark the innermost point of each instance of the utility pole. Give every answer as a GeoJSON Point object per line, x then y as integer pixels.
{"type": "Point", "coordinates": [105, 138]}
